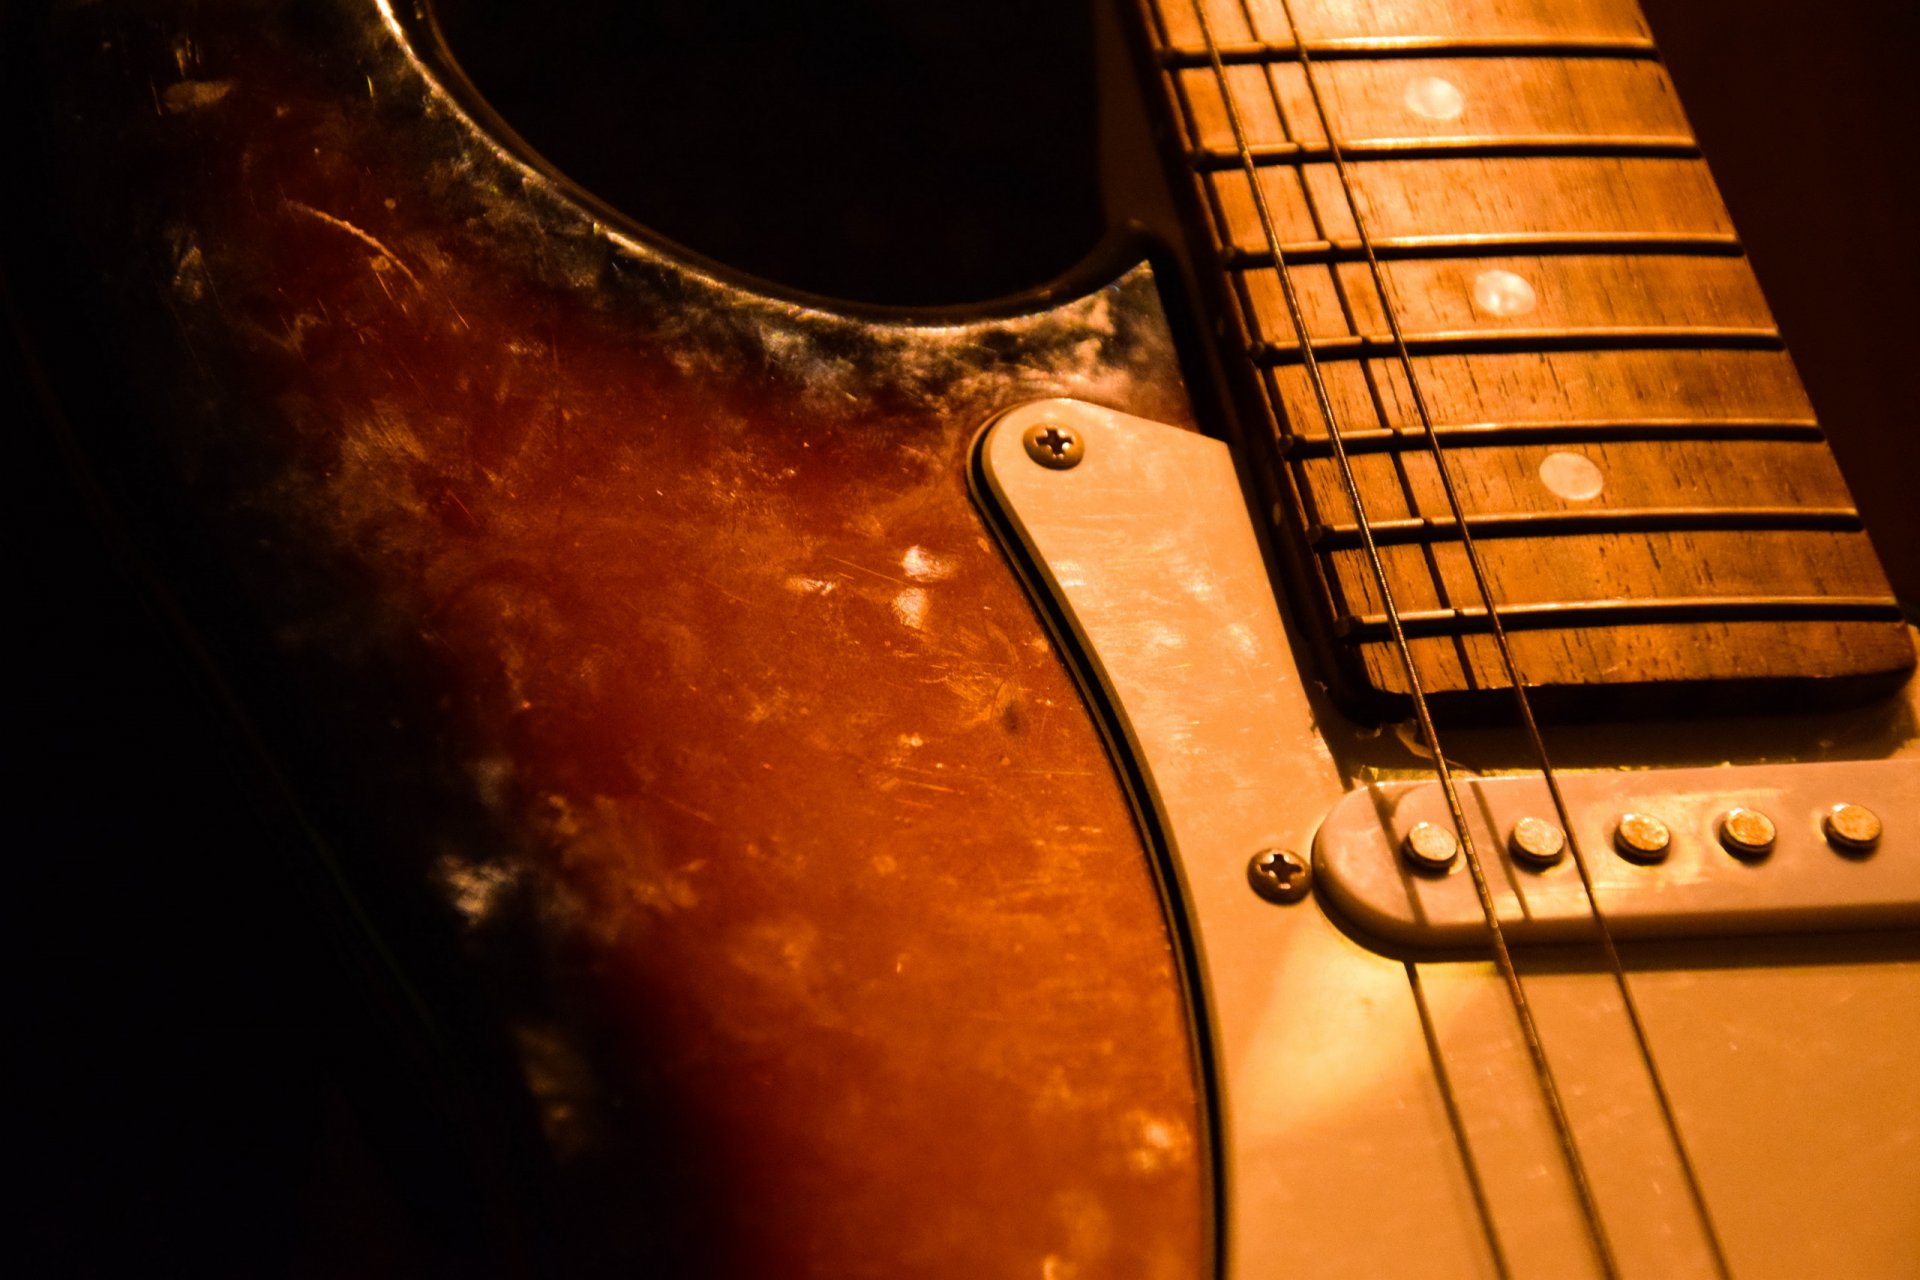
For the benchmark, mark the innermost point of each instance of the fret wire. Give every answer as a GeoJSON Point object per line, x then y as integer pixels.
{"type": "Point", "coordinates": [1523, 704]}
{"type": "Point", "coordinates": [1559, 524]}
{"type": "Point", "coordinates": [1519, 244]}
{"type": "Point", "coordinates": [1621, 613]}
{"type": "Point", "coordinates": [1348, 48]}
{"type": "Point", "coordinates": [1395, 440]}
{"type": "Point", "coordinates": [1267, 155]}
{"type": "Point", "coordinates": [1503, 956]}
{"type": "Point", "coordinates": [1499, 341]}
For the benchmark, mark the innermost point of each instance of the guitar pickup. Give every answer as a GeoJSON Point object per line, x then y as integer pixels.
{"type": "Point", "coordinates": [1760, 849]}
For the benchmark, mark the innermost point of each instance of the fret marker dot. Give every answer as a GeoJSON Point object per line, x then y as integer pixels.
{"type": "Point", "coordinates": [1571, 476]}
{"type": "Point", "coordinates": [1434, 98]}
{"type": "Point", "coordinates": [1502, 293]}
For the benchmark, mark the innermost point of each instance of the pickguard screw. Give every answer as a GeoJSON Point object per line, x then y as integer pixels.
{"type": "Point", "coordinates": [1279, 875]}
{"type": "Point", "coordinates": [1053, 445]}
{"type": "Point", "coordinates": [1747, 833]}
{"type": "Point", "coordinates": [1535, 842]}
{"type": "Point", "coordinates": [1851, 828]}
{"type": "Point", "coordinates": [1429, 847]}
{"type": "Point", "coordinates": [1641, 837]}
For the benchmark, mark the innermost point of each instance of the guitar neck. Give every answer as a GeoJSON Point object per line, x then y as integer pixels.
{"type": "Point", "coordinates": [1476, 275]}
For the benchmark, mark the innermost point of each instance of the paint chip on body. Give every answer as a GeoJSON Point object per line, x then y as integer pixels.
{"type": "Point", "coordinates": [910, 608]}
{"type": "Point", "coordinates": [923, 565]}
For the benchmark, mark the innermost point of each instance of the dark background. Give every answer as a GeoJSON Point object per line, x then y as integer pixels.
{"type": "Point", "coordinates": [202, 1085]}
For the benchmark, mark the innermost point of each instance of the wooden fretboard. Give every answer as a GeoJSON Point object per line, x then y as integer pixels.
{"type": "Point", "coordinates": [1640, 471]}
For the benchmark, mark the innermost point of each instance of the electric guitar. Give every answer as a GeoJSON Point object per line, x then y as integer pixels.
{"type": "Point", "coordinates": [1374, 743]}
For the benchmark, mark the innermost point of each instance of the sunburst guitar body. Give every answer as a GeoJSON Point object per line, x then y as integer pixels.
{"type": "Point", "coordinates": [1056, 793]}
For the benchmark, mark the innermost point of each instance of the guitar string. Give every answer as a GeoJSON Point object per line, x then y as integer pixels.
{"type": "Point", "coordinates": [1429, 1029]}
{"type": "Point", "coordinates": [1529, 1028]}
{"type": "Point", "coordinates": [1523, 704]}
{"type": "Point", "coordinates": [1430, 1034]}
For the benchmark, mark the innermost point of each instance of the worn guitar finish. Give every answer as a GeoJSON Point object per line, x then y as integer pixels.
{"type": "Point", "coordinates": [656, 630]}
{"type": "Point", "coordinates": [663, 671]}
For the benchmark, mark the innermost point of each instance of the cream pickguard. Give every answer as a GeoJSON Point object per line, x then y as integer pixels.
{"type": "Point", "coordinates": [1359, 1095]}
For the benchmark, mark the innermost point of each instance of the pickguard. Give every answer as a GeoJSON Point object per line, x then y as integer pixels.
{"type": "Point", "coordinates": [1365, 1105]}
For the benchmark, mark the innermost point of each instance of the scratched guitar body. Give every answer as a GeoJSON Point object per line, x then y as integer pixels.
{"type": "Point", "coordinates": [666, 673]}
{"type": "Point", "coordinates": [663, 606]}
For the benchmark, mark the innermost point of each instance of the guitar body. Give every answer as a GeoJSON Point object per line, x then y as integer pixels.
{"type": "Point", "coordinates": [659, 639]}
{"type": "Point", "coordinates": [769, 879]}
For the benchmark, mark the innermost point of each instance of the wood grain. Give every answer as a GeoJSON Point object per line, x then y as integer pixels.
{"type": "Point", "coordinates": [1510, 99]}
{"type": "Point", "coordinates": [1641, 475]}
{"type": "Point", "coordinates": [1265, 21]}
{"type": "Point", "coordinates": [1438, 199]}
{"type": "Point", "coordinates": [1712, 392]}
{"type": "Point", "coordinates": [1535, 225]}
{"type": "Point", "coordinates": [1584, 296]}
